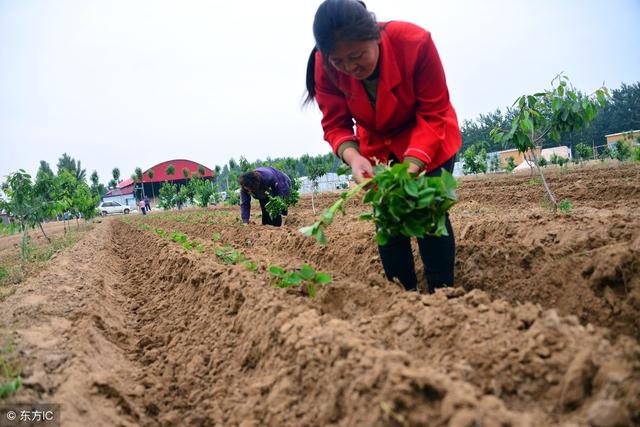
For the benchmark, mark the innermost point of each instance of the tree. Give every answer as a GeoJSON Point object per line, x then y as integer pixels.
{"type": "Point", "coordinates": [96, 188]}
{"type": "Point", "coordinates": [183, 195]}
{"type": "Point", "coordinates": [494, 163]}
{"type": "Point", "coordinates": [511, 164]}
{"type": "Point", "coordinates": [549, 113]}
{"type": "Point", "coordinates": [168, 194]}
{"type": "Point", "coordinates": [116, 179]}
{"type": "Point", "coordinates": [68, 163]}
{"type": "Point", "coordinates": [150, 174]}
{"type": "Point", "coordinates": [582, 152]}
{"type": "Point", "coordinates": [66, 184]}
{"type": "Point", "coordinates": [621, 151]}
{"type": "Point", "coordinates": [45, 169]}
{"type": "Point", "coordinates": [139, 177]}
{"type": "Point", "coordinates": [186, 173]}
{"type": "Point", "coordinates": [171, 170]}
{"type": "Point", "coordinates": [84, 202]}
{"type": "Point", "coordinates": [20, 204]}
{"type": "Point", "coordinates": [245, 166]}
{"type": "Point", "coordinates": [30, 204]}
{"type": "Point", "coordinates": [201, 170]}
{"type": "Point", "coordinates": [316, 168]}
{"type": "Point", "coordinates": [475, 159]}
{"type": "Point", "coordinates": [203, 191]}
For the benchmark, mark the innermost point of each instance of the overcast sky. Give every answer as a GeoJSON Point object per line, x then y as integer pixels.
{"type": "Point", "coordinates": [131, 83]}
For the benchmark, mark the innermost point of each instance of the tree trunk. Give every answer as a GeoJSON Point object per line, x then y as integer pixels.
{"type": "Point", "coordinates": [552, 198]}
{"type": "Point", "coordinates": [25, 239]}
{"type": "Point", "coordinates": [43, 233]}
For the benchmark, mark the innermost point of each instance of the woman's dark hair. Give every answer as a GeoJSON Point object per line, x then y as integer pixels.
{"type": "Point", "coordinates": [250, 180]}
{"type": "Point", "coordinates": [336, 21]}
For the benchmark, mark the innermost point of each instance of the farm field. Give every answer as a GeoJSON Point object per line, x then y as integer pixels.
{"type": "Point", "coordinates": [173, 318]}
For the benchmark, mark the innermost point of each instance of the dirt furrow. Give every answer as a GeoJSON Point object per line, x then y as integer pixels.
{"type": "Point", "coordinates": [220, 334]}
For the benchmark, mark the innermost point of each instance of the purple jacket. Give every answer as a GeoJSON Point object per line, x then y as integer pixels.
{"type": "Point", "coordinates": [274, 182]}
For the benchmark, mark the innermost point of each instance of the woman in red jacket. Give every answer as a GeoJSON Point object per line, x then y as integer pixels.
{"type": "Point", "coordinates": [386, 78]}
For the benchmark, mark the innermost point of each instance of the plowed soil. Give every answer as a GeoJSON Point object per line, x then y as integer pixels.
{"type": "Point", "coordinates": [129, 328]}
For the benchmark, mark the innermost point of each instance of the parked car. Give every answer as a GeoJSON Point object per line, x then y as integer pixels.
{"type": "Point", "coordinates": [106, 208]}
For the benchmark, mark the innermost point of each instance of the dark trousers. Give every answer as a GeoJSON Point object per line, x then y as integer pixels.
{"type": "Point", "coordinates": [437, 254]}
{"type": "Point", "coordinates": [266, 219]}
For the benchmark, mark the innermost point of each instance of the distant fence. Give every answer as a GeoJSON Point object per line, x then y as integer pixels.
{"type": "Point", "coordinates": [329, 182]}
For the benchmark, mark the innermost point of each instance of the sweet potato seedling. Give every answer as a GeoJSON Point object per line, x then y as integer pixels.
{"type": "Point", "coordinates": [304, 275]}
{"type": "Point", "coordinates": [277, 205]}
{"type": "Point", "coordinates": [403, 204]}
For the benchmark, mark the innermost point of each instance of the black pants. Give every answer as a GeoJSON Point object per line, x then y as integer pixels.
{"type": "Point", "coordinates": [266, 219]}
{"type": "Point", "coordinates": [437, 254]}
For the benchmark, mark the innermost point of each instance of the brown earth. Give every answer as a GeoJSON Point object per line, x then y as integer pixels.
{"type": "Point", "coordinates": [128, 328]}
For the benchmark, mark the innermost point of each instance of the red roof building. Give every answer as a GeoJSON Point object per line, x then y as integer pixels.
{"type": "Point", "coordinates": [152, 185]}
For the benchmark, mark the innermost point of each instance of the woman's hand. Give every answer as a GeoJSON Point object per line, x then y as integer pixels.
{"type": "Point", "coordinates": [360, 165]}
{"type": "Point", "coordinates": [413, 168]}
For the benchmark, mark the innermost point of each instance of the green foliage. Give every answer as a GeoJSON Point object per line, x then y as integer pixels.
{"type": "Point", "coordinates": [11, 387]}
{"type": "Point", "coordinates": [186, 172]}
{"type": "Point", "coordinates": [9, 368]}
{"type": "Point", "coordinates": [9, 229]}
{"type": "Point", "coordinates": [305, 275]}
{"type": "Point", "coordinates": [403, 204]}
{"type": "Point", "coordinates": [621, 151]}
{"type": "Point", "coordinates": [85, 202]}
{"type": "Point", "coordinates": [68, 163]}
{"type": "Point", "coordinates": [636, 154]}
{"type": "Point", "coordinates": [168, 195]}
{"type": "Point", "coordinates": [162, 233]}
{"type": "Point", "coordinates": [171, 170]}
{"type": "Point", "coordinates": [3, 272]}
{"type": "Point", "coordinates": [542, 162]}
{"type": "Point", "coordinates": [558, 160]}
{"type": "Point", "coordinates": [475, 159]}
{"type": "Point", "coordinates": [228, 256]}
{"type": "Point", "coordinates": [562, 109]}
{"type": "Point", "coordinates": [216, 237]}
{"type": "Point", "coordinates": [582, 152]}
{"type": "Point", "coordinates": [203, 191]}
{"type": "Point", "coordinates": [511, 164]}
{"type": "Point", "coordinates": [494, 163]}
{"type": "Point", "coordinates": [233, 199]}
{"type": "Point", "coordinates": [565, 206]}
{"type": "Point", "coordinates": [275, 206]}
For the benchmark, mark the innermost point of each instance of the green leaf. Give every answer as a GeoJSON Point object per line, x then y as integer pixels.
{"type": "Point", "coordinates": [369, 196]}
{"type": "Point", "coordinates": [276, 271]}
{"type": "Point", "coordinates": [307, 272]}
{"type": "Point", "coordinates": [309, 230]}
{"type": "Point", "coordinates": [600, 94]}
{"type": "Point", "coordinates": [381, 238]}
{"type": "Point", "coordinates": [366, 216]}
{"type": "Point", "coordinates": [323, 278]}
{"type": "Point", "coordinates": [411, 188]}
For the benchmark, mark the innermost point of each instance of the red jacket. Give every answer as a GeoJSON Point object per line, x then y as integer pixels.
{"type": "Point", "coordinates": [413, 115]}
